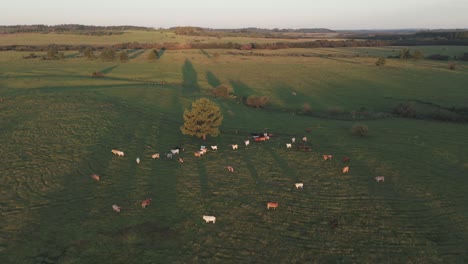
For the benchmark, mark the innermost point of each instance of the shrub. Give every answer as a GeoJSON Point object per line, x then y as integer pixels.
{"type": "Point", "coordinates": [360, 130]}
{"type": "Point", "coordinates": [123, 56]}
{"type": "Point", "coordinates": [107, 54]}
{"type": "Point", "coordinates": [88, 53]}
{"type": "Point", "coordinates": [257, 101]}
{"type": "Point", "coordinates": [336, 110]}
{"type": "Point", "coordinates": [97, 74]}
{"type": "Point", "coordinates": [438, 57]}
{"type": "Point", "coordinates": [306, 108]}
{"type": "Point", "coordinates": [464, 57]}
{"type": "Point", "coordinates": [405, 109]}
{"type": "Point", "coordinates": [445, 115]}
{"type": "Point", "coordinates": [380, 62]}
{"type": "Point", "coordinates": [222, 90]}
{"type": "Point", "coordinates": [417, 54]}
{"type": "Point", "coordinates": [153, 55]}
{"type": "Point", "coordinates": [452, 66]}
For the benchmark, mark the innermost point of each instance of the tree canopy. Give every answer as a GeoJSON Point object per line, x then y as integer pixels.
{"type": "Point", "coordinates": [204, 119]}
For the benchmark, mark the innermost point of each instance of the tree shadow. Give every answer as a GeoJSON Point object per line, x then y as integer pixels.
{"type": "Point", "coordinates": [161, 52]}
{"type": "Point", "coordinates": [212, 79]}
{"type": "Point", "coordinates": [109, 69]}
{"type": "Point", "coordinates": [241, 89]}
{"type": "Point", "coordinates": [136, 54]}
{"type": "Point", "coordinates": [71, 56]}
{"type": "Point", "coordinates": [190, 83]}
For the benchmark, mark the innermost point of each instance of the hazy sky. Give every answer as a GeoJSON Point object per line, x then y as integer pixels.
{"type": "Point", "coordinates": [332, 14]}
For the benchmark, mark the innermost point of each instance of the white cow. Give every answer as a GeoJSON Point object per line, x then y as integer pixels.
{"type": "Point", "coordinates": [299, 185]}
{"type": "Point", "coordinates": [175, 151]}
{"type": "Point", "coordinates": [293, 139]}
{"type": "Point", "coordinates": [116, 208]}
{"type": "Point", "coordinates": [214, 147]}
{"type": "Point", "coordinates": [203, 151]}
{"type": "Point", "coordinates": [379, 178]}
{"type": "Point", "coordinates": [118, 152]}
{"type": "Point", "coordinates": [230, 168]}
{"type": "Point", "coordinates": [304, 139]}
{"type": "Point", "coordinates": [247, 142]}
{"type": "Point", "coordinates": [155, 156]}
{"type": "Point", "coordinates": [288, 145]}
{"type": "Point", "coordinates": [169, 155]}
{"type": "Point", "coordinates": [235, 146]}
{"type": "Point", "coordinates": [209, 218]}
{"type": "Point", "coordinates": [138, 160]}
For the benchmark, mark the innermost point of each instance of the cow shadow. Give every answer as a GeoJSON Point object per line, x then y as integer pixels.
{"type": "Point", "coordinates": [190, 82]}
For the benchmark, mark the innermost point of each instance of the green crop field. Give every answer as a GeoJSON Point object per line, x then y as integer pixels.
{"type": "Point", "coordinates": [58, 126]}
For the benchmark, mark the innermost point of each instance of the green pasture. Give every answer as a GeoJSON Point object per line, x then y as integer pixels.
{"type": "Point", "coordinates": [58, 126]}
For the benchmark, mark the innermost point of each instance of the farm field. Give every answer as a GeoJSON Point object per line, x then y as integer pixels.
{"type": "Point", "coordinates": [58, 126]}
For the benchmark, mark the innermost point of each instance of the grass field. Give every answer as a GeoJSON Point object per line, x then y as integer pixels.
{"type": "Point", "coordinates": [58, 126]}
{"type": "Point", "coordinates": [162, 36]}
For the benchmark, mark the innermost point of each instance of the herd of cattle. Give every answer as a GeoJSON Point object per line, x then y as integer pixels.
{"type": "Point", "coordinates": [258, 137]}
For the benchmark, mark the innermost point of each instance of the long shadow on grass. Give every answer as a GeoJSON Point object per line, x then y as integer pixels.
{"type": "Point", "coordinates": [203, 179]}
{"type": "Point", "coordinates": [190, 83]}
{"type": "Point", "coordinates": [136, 54]}
{"type": "Point", "coordinates": [71, 56]}
{"type": "Point", "coordinates": [161, 52]}
{"type": "Point", "coordinates": [78, 219]}
{"type": "Point", "coordinates": [251, 167]}
{"type": "Point", "coordinates": [212, 79]}
{"type": "Point", "coordinates": [283, 165]}
{"type": "Point", "coordinates": [295, 102]}
{"type": "Point", "coordinates": [109, 69]}
{"type": "Point", "coordinates": [241, 89]}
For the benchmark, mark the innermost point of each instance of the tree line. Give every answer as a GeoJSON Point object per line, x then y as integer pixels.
{"type": "Point", "coordinates": [65, 28]}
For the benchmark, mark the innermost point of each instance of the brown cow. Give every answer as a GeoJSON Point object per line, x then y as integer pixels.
{"type": "Point", "coordinates": [146, 202]}
{"type": "Point", "coordinates": [346, 159]}
{"type": "Point", "coordinates": [95, 177]}
{"type": "Point", "coordinates": [346, 169]}
{"type": "Point", "coordinates": [272, 205]}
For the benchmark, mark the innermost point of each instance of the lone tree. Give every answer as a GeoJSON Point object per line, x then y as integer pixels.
{"type": "Point", "coordinates": [204, 119]}
{"type": "Point", "coordinates": [153, 55]}
{"type": "Point", "coordinates": [381, 62]}
{"type": "Point", "coordinates": [88, 53]}
{"type": "Point", "coordinates": [123, 56]}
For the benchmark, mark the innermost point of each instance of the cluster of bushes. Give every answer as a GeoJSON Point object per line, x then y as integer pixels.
{"type": "Point", "coordinates": [453, 114]}
{"type": "Point", "coordinates": [360, 130]}
{"type": "Point", "coordinates": [257, 101]}
{"type": "Point", "coordinates": [222, 91]}
{"type": "Point", "coordinates": [438, 57]}
{"type": "Point", "coordinates": [405, 109]}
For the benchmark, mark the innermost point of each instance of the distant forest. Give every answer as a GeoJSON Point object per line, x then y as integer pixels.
{"type": "Point", "coordinates": [68, 28]}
